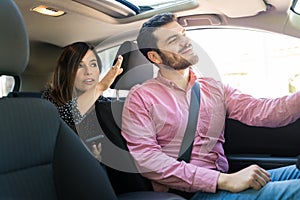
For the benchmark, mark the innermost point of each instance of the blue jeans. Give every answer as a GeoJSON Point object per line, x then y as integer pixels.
{"type": "Point", "coordinates": [285, 184]}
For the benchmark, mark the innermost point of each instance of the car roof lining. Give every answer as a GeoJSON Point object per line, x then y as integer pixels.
{"type": "Point", "coordinates": [79, 18]}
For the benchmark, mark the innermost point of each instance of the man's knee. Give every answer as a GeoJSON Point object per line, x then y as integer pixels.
{"type": "Point", "coordinates": [287, 189]}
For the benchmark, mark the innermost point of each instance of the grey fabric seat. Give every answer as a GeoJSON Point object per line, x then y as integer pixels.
{"type": "Point", "coordinates": [41, 157]}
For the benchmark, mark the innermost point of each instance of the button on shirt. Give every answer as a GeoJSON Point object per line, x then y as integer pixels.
{"type": "Point", "coordinates": [155, 117]}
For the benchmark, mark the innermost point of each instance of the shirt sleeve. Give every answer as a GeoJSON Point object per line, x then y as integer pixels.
{"type": "Point", "coordinates": [152, 162]}
{"type": "Point", "coordinates": [267, 112]}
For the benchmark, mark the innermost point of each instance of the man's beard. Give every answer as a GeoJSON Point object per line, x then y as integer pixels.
{"type": "Point", "coordinates": [177, 62]}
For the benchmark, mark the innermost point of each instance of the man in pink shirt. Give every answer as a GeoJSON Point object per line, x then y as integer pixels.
{"type": "Point", "coordinates": [155, 117]}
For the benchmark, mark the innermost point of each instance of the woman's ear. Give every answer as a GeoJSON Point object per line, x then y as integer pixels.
{"type": "Point", "coordinates": [154, 57]}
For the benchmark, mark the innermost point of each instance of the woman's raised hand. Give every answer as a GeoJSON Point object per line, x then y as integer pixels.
{"type": "Point", "coordinates": [111, 75]}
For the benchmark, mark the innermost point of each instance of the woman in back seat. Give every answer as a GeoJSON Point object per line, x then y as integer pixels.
{"type": "Point", "coordinates": [75, 87]}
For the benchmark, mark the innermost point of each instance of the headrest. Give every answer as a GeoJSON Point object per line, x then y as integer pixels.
{"type": "Point", "coordinates": [14, 48]}
{"type": "Point", "coordinates": [136, 68]}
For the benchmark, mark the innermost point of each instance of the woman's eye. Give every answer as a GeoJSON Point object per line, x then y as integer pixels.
{"type": "Point", "coordinates": [80, 65]}
{"type": "Point", "coordinates": [94, 65]}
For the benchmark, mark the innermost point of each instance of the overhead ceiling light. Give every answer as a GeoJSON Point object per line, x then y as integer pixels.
{"type": "Point", "coordinates": [45, 10]}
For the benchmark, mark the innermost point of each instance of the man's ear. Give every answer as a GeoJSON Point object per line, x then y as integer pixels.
{"type": "Point", "coordinates": [154, 57]}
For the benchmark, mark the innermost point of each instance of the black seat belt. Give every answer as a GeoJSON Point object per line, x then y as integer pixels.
{"type": "Point", "coordinates": [189, 135]}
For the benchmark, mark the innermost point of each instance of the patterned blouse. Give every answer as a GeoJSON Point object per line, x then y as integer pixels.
{"type": "Point", "coordinates": [87, 125]}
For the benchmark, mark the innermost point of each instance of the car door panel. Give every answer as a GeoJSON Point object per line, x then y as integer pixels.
{"type": "Point", "coordinates": [267, 147]}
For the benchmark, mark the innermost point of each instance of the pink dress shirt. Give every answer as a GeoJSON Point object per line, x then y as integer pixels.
{"type": "Point", "coordinates": [155, 116]}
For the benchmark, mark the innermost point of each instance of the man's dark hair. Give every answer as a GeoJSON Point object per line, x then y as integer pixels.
{"type": "Point", "coordinates": [146, 40]}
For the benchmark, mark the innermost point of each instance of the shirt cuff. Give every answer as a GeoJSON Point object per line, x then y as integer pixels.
{"type": "Point", "coordinates": [206, 180]}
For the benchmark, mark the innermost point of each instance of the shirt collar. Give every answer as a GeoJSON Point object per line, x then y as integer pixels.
{"type": "Point", "coordinates": [171, 84]}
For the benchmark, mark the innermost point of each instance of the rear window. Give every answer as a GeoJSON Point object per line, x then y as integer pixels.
{"type": "Point", "coordinates": [6, 85]}
{"type": "Point", "coordinates": [107, 58]}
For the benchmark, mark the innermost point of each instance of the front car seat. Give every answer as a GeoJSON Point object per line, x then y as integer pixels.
{"type": "Point", "coordinates": [42, 158]}
{"type": "Point", "coordinates": [123, 173]}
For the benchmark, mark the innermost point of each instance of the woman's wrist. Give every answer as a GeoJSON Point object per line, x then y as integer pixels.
{"type": "Point", "coordinates": [100, 88]}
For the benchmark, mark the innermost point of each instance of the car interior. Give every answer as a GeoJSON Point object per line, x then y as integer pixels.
{"type": "Point", "coordinates": [38, 147]}
{"type": "Point", "coordinates": [44, 158]}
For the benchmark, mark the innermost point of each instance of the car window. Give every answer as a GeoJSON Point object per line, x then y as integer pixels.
{"type": "Point", "coordinates": [259, 63]}
{"type": "Point", "coordinates": [6, 84]}
{"type": "Point", "coordinates": [107, 57]}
